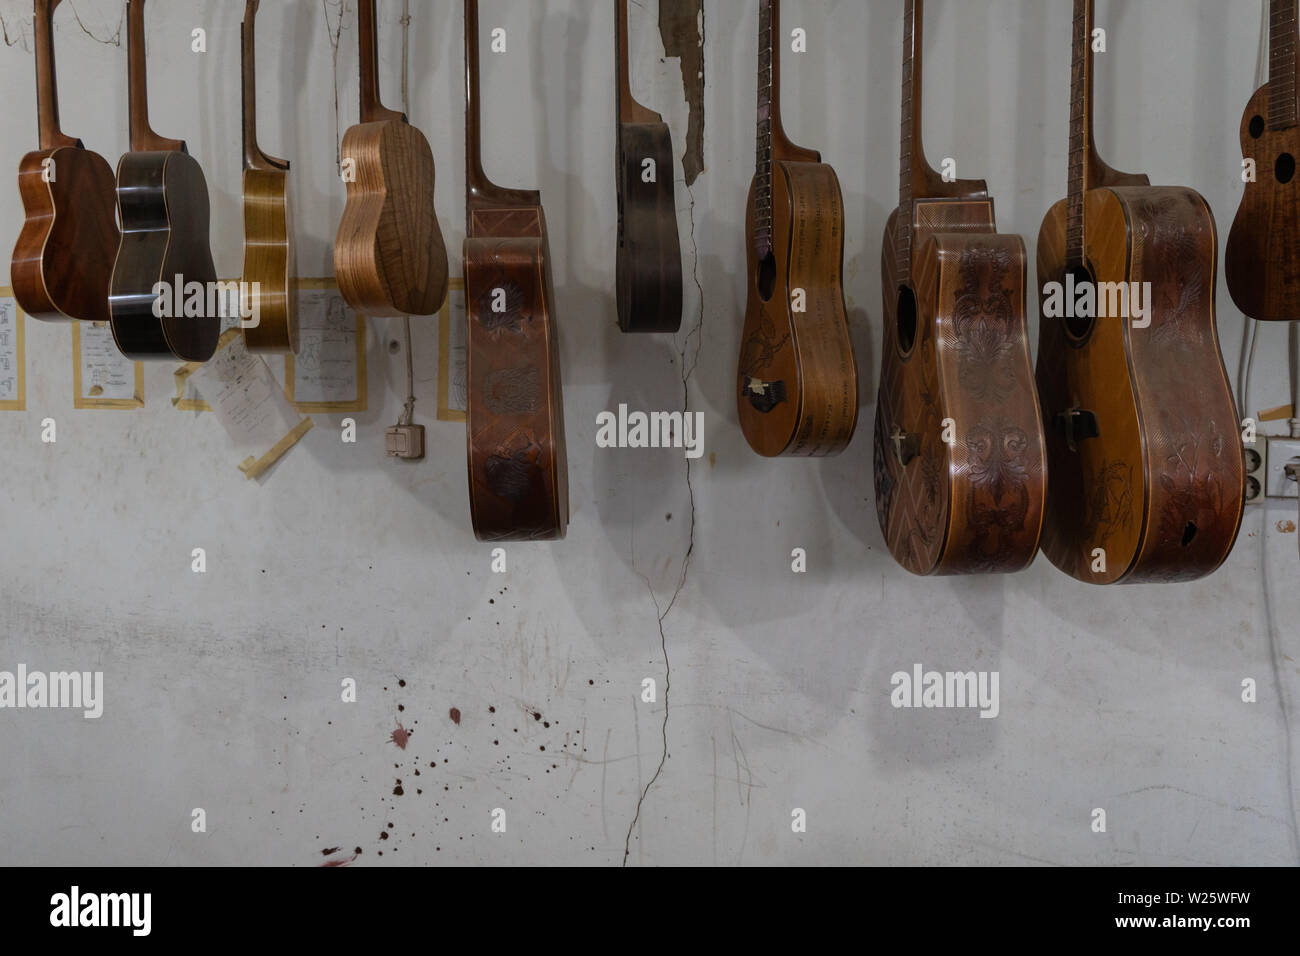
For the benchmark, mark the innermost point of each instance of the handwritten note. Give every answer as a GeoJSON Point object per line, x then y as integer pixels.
{"type": "Point", "coordinates": [453, 355]}
{"type": "Point", "coordinates": [187, 397]}
{"type": "Point", "coordinates": [329, 371]}
{"type": "Point", "coordinates": [11, 355]}
{"type": "Point", "coordinates": [102, 377]}
{"type": "Point", "coordinates": [249, 403]}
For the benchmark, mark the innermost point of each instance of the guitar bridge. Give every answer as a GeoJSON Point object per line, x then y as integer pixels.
{"type": "Point", "coordinates": [1076, 423]}
{"type": "Point", "coordinates": [764, 396]}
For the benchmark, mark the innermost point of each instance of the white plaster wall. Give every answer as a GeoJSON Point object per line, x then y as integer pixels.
{"type": "Point", "coordinates": [223, 689]}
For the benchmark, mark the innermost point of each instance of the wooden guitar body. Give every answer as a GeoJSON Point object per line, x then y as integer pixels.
{"type": "Point", "coordinates": [797, 385]}
{"type": "Point", "coordinates": [389, 256]}
{"type": "Point", "coordinates": [648, 266]}
{"type": "Point", "coordinates": [269, 264]}
{"type": "Point", "coordinates": [1262, 260]}
{"type": "Point", "coordinates": [1143, 441]}
{"type": "Point", "coordinates": [63, 259]}
{"type": "Point", "coordinates": [959, 455]}
{"type": "Point", "coordinates": [162, 200]}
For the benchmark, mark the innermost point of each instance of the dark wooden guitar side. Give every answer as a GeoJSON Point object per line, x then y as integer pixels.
{"type": "Point", "coordinates": [162, 200]}
{"type": "Point", "coordinates": [518, 472]}
{"type": "Point", "coordinates": [389, 256]}
{"type": "Point", "coordinates": [63, 258]}
{"type": "Point", "coordinates": [1262, 260]}
{"type": "Point", "coordinates": [959, 455]}
{"type": "Point", "coordinates": [649, 261]}
{"type": "Point", "coordinates": [1143, 442]}
{"type": "Point", "coordinates": [797, 381]}
{"type": "Point", "coordinates": [269, 263]}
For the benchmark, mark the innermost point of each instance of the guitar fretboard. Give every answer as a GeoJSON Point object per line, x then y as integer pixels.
{"type": "Point", "coordinates": [1281, 64]}
{"type": "Point", "coordinates": [1080, 129]}
{"type": "Point", "coordinates": [911, 101]}
{"type": "Point", "coordinates": [763, 144]}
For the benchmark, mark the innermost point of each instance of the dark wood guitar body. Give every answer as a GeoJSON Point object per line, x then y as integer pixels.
{"type": "Point", "coordinates": [162, 201]}
{"type": "Point", "coordinates": [63, 259]}
{"type": "Point", "coordinates": [648, 265]}
{"type": "Point", "coordinates": [960, 477]}
{"type": "Point", "coordinates": [270, 264]}
{"type": "Point", "coordinates": [389, 255]}
{"type": "Point", "coordinates": [797, 381]}
{"type": "Point", "coordinates": [518, 471]}
{"type": "Point", "coordinates": [1262, 260]}
{"type": "Point", "coordinates": [1143, 442]}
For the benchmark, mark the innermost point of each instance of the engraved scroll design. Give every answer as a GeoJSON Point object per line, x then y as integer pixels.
{"type": "Point", "coordinates": [982, 315]}
{"type": "Point", "coordinates": [1173, 224]}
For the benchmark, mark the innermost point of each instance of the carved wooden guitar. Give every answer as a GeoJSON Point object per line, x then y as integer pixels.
{"type": "Point", "coordinates": [1143, 443]}
{"type": "Point", "coordinates": [389, 257]}
{"type": "Point", "coordinates": [797, 382]}
{"type": "Point", "coordinates": [269, 264]}
{"type": "Point", "coordinates": [959, 456]}
{"type": "Point", "coordinates": [649, 261]}
{"type": "Point", "coordinates": [518, 473]}
{"type": "Point", "coordinates": [162, 201]}
{"type": "Point", "coordinates": [1262, 260]}
{"type": "Point", "coordinates": [63, 258]}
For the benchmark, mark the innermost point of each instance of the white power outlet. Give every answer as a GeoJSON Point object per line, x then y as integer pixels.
{"type": "Point", "coordinates": [1278, 483]}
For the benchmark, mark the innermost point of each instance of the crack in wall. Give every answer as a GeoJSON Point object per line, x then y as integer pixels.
{"type": "Point", "coordinates": [114, 40]}
{"type": "Point", "coordinates": [688, 370]}
{"type": "Point", "coordinates": [20, 34]}
{"type": "Point", "coordinates": [335, 36]}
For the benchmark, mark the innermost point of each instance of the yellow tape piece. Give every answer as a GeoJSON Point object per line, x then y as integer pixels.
{"type": "Point", "coordinates": [253, 467]}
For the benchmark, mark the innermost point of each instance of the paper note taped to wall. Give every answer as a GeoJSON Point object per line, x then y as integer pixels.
{"type": "Point", "coordinates": [329, 371]}
{"type": "Point", "coordinates": [11, 354]}
{"type": "Point", "coordinates": [187, 398]}
{"type": "Point", "coordinates": [102, 377]}
{"type": "Point", "coordinates": [249, 403]}
{"type": "Point", "coordinates": [453, 355]}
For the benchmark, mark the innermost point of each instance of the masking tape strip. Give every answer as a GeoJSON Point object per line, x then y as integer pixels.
{"type": "Point", "coordinates": [253, 467]}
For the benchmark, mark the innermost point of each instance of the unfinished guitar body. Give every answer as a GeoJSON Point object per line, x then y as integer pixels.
{"type": "Point", "coordinates": [269, 267]}
{"type": "Point", "coordinates": [389, 257]}
{"type": "Point", "coordinates": [959, 457]}
{"type": "Point", "coordinates": [1143, 442]}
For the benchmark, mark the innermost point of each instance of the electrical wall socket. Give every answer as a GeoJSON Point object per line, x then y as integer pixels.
{"type": "Point", "coordinates": [1277, 483]}
{"type": "Point", "coordinates": [1255, 475]}
{"type": "Point", "coordinates": [405, 441]}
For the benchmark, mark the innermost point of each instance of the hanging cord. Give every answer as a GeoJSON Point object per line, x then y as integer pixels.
{"type": "Point", "coordinates": [408, 409]}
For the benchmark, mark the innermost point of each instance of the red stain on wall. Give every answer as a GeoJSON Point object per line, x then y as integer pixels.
{"type": "Point", "coordinates": [400, 736]}
{"type": "Point", "coordinates": [454, 714]}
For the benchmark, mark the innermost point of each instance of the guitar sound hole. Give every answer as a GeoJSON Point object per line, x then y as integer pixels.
{"type": "Point", "coordinates": [1256, 127]}
{"type": "Point", "coordinates": [766, 276]}
{"type": "Point", "coordinates": [1079, 326]}
{"type": "Point", "coordinates": [906, 319]}
{"type": "Point", "coordinates": [1189, 533]}
{"type": "Point", "coordinates": [1284, 169]}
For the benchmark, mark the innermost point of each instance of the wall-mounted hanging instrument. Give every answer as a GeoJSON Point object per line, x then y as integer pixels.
{"type": "Point", "coordinates": [389, 257]}
{"type": "Point", "coordinates": [63, 258]}
{"type": "Point", "coordinates": [269, 263]}
{"type": "Point", "coordinates": [162, 201]}
{"type": "Point", "coordinates": [959, 456]}
{"type": "Point", "coordinates": [518, 472]}
{"type": "Point", "coordinates": [1144, 450]}
{"type": "Point", "coordinates": [1262, 259]}
{"type": "Point", "coordinates": [649, 259]}
{"type": "Point", "coordinates": [797, 382]}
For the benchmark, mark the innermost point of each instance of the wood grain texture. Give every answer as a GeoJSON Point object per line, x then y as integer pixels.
{"type": "Point", "coordinates": [1160, 488]}
{"type": "Point", "coordinates": [270, 269]}
{"type": "Point", "coordinates": [648, 264]}
{"type": "Point", "coordinates": [63, 257]}
{"type": "Point", "coordinates": [975, 504]}
{"type": "Point", "coordinates": [1262, 260]}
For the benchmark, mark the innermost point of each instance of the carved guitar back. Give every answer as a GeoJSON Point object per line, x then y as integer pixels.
{"type": "Point", "coordinates": [648, 266]}
{"type": "Point", "coordinates": [518, 470]}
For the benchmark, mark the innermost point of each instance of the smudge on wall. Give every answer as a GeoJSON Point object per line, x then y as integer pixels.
{"type": "Point", "coordinates": [681, 27]}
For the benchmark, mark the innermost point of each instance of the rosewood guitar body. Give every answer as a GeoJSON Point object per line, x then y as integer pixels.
{"type": "Point", "coordinates": [162, 199]}
{"type": "Point", "coordinates": [797, 386]}
{"type": "Point", "coordinates": [518, 471]}
{"type": "Point", "coordinates": [389, 257]}
{"type": "Point", "coordinates": [63, 259]}
{"type": "Point", "coordinates": [1262, 260]}
{"type": "Point", "coordinates": [1156, 487]}
{"type": "Point", "coordinates": [959, 454]}
{"type": "Point", "coordinates": [269, 261]}
{"type": "Point", "coordinates": [648, 267]}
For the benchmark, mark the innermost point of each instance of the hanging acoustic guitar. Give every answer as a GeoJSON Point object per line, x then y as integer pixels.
{"type": "Point", "coordinates": [389, 257]}
{"type": "Point", "coordinates": [797, 382]}
{"type": "Point", "coordinates": [648, 266]}
{"type": "Point", "coordinates": [1262, 259]}
{"type": "Point", "coordinates": [63, 258]}
{"type": "Point", "coordinates": [162, 201]}
{"type": "Point", "coordinates": [959, 456]}
{"type": "Point", "coordinates": [518, 473]}
{"type": "Point", "coordinates": [269, 264]}
{"type": "Point", "coordinates": [1143, 443]}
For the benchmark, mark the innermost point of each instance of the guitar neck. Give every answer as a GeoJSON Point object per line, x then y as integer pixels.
{"type": "Point", "coordinates": [143, 138]}
{"type": "Point", "coordinates": [254, 158]}
{"type": "Point", "coordinates": [47, 90]}
{"type": "Point", "coordinates": [372, 110]}
{"type": "Point", "coordinates": [1081, 139]}
{"type": "Point", "coordinates": [1281, 64]}
{"type": "Point", "coordinates": [769, 16]}
{"type": "Point", "coordinates": [479, 190]}
{"type": "Point", "coordinates": [911, 155]}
